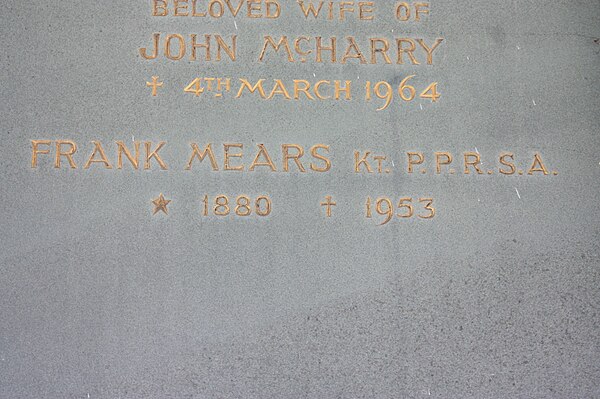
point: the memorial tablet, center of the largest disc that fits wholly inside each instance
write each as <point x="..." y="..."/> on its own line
<point x="300" y="199"/>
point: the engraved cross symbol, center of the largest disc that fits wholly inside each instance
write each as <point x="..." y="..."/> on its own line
<point x="328" y="203"/>
<point x="155" y="84"/>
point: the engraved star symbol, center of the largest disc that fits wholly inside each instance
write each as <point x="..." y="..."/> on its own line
<point x="160" y="204"/>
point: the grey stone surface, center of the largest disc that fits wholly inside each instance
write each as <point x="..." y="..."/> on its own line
<point x="496" y="298"/>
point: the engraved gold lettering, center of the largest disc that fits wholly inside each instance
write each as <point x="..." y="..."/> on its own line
<point x="228" y="156"/>
<point x="243" y="206"/>
<point x="428" y="50"/>
<point x="420" y="158"/>
<point x="321" y="48"/>
<point x="196" y="153"/>
<point x="67" y="154"/>
<point x="154" y="155"/>
<point x="318" y="88"/>
<point x="181" y="8"/>
<point x="195" y="12"/>
<point x="409" y="51"/>
<point x="380" y="159"/>
<point x="35" y="150"/>
<point x="181" y="47"/>
<point x="346" y="89"/>
<point x="537" y="166"/>
<point x="375" y="49"/>
<point x="122" y="149"/>
<point x="365" y="9"/>
<point x="310" y="9"/>
<point x="511" y="165"/>
<point x="403" y="12"/>
<point x="159" y="8"/>
<point x="299" y="50"/>
<point x="269" y="12"/>
<point x="358" y="161"/>
<point x="234" y="11"/>
<point x="283" y="41"/>
<point x="144" y="51"/>
<point x="280" y="89"/>
<point x="267" y="159"/>
<point x="314" y="152"/>
<point x="305" y="89"/>
<point x="175" y="47"/>
<point x="353" y="51"/>
<point x="213" y="5"/>
<point x="421" y="8"/>
<point x="222" y="46"/>
<point x="345" y="7"/>
<point x="295" y="157"/>
<point x="442" y="158"/>
<point x="254" y="5"/>
<point x="195" y="46"/>
<point x="246" y="85"/>
<point x="472" y="159"/>
<point x="92" y="159"/>
<point x="222" y="206"/>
